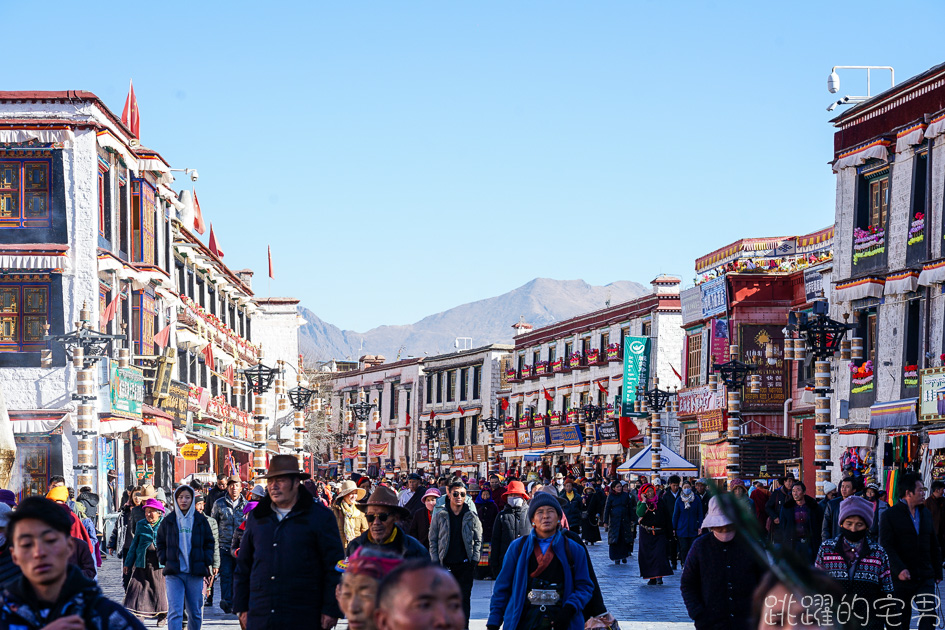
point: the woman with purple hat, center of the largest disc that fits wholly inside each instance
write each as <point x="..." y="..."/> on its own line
<point x="146" y="595"/>
<point x="859" y="565"/>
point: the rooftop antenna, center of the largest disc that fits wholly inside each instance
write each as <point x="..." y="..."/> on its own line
<point x="833" y="84"/>
<point x="607" y="302"/>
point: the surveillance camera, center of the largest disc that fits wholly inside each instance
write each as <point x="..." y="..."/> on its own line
<point x="833" y="83"/>
<point x="194" y="175"/>
<point x="832" y="106"/>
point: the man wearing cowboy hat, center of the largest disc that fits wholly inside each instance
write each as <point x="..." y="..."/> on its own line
<point x="384" y="533"/>
<point x="285" y="573"/>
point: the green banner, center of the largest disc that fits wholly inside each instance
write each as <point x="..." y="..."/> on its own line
<point x="636" y="370"/>
<point x="127" y="391"/>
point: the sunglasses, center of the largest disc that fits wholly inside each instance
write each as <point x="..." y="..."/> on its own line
<point x="459" y="495"/>
<point x="381" y="517"/>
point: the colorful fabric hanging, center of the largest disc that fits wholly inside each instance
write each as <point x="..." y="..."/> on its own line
<point x="892" y="486"/>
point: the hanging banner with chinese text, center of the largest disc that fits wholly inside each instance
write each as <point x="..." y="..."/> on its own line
<point x="378" y="450"/>
<point x="636" y="370"/>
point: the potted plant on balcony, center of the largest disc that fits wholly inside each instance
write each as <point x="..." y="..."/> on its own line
<point x="917" y="229"/>
<point x="574" y="360"/>
<point x="613" y="352"/>
<point x="526" y="371"/>
<point x="861" y="378"/>
<point x="593" y="355"/>
<point x="541" y="368"/>
<point x="557" y="365"/>
<point x="910" y="376"/>
<point x="510" y="374"/>
<point x="868" y="242"/>
<point x="555" y="418"/>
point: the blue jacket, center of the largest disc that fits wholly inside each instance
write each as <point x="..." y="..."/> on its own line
<point x="687" y="522"/>
<point x="510" y="590"/>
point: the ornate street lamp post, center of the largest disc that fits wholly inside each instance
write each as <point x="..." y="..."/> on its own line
<point x="259" y="379"/>
<point x="490" y="424"/>
<point x="654" y="400"/>
<point x="362" y="410"/>
<point x="822" y="337"/>
<point x="592" y="414"/>
<point x="85" y="347"/>
<point x="733" y="374"/>
<point x="299" y="398"/>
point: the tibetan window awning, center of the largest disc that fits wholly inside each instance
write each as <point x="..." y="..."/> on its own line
<point x="903" y="282"/>
<point x="936" y="127"/>
<point x="932" y="273"/>
<point x="856" y="436"/>
<point x="898" y="413"/>
<point x="913" y="134"/>
<point x="876" y="150"/>
<point x="38" y="421"/>
<point x="60" y="137"/>
<point x="858" y="289"/>
<point x="936" y="439"/>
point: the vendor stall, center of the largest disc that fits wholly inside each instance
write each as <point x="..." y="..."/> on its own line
<point x="671" y="463"/>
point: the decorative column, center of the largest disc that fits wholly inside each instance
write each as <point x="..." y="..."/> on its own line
<point x="732" y="374"/>
<point x="85" y="463"/>
<point x="298" y="424"/>
<point x="589" y="447"/>
<point x="822" y="424"/>
<point x="259" y="434"/>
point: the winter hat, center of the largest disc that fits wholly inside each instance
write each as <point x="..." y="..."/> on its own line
<point x="432" y="492"/>
<point x="856" y="506"/>
<point x="249" y="507"/>
<point x="543" y="499"/>
<point x="154" y="503"/>
<point x="258" y="491"/>
<point x="8" y="498"/>
<point x="516" y="488"/>
<point x="829" y="487"/>
<point x="642" y="491"/>
<point x="59" y="493"/>
<point x="715" y="517"/>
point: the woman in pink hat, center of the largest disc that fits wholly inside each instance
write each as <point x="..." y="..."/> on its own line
<point x="419" y="526"/>
<point x="146" y="595"/>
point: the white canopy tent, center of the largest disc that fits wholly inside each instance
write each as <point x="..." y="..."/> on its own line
<point x="671" y="463"/>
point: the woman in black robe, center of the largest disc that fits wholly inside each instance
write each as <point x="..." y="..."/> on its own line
<point x="590" y="516"/>
<point x="618" y="516"/>
<point x="655" y="525"/>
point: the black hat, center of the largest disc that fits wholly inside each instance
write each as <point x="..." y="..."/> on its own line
<point x="414" y="476"/>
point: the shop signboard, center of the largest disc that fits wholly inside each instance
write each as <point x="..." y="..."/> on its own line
<point x="165" y="370"/>
<point x="468" y="453"/>
<point x="607" y="432"/>
<point x="714" y="459"/>
<point x="714" y="297"/>
<point x="711" y="420"/>
<point x="636" y="370"/>
<point x="698" y="400"/>
<point x="126" y="391"/>
<point x="508" y="439"/>
<point x="424" y="452"/>
<point x="567" y="435"/>
<point x="754" y="339"/>
<point x="193" y="450"/>
<point x="719" y="341"/>
<point x="932" y="395"/>
<point x="175" y="402"/>
<point x="479" y="453"/>
<point x="540" y="437"/>
<point x="690" y="300"/>
<point x="813" y="283"/>
<point x="524" y="438"/>
<point x="458" y="454"/>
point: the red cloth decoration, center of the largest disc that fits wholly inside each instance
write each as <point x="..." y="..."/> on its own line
<point x="130" y="117"/>
<point x="628" y="431"/>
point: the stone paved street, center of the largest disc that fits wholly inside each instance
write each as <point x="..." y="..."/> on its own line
<point x="632" y="602"/>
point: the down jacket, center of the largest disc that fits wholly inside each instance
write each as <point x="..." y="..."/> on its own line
<point x="440" y="536"/>
<point x="228" y="514"/>
<point x="285" y="572"/>
<point x="511" y="524"/>
<point x="201" y="546"/>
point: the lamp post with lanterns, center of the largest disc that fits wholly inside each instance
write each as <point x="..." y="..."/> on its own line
<point x="362" y="410"/>
<point x="491" y="424"/>
<point x="821" y="337"/>
<point x="259" y="379"/>
<point x="655" y="401"/>
<point x="299" y="398"/>
<point x="592" y="414"/>
<point x="734" y="374"/>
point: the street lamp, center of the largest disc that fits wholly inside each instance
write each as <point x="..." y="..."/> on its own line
<point x="821" y="337"/>
<point x="259" y="379"/>
<point x="734" y="374"/>
<point x="299" y="397"/>
<point x="655" y="400"/>
<point x="491" y="424"/>
<point x="85" y="347"/>
<point x="362" y="410"/>
<point x="591" y="413"/>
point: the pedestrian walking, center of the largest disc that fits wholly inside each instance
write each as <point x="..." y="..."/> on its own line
<point x="351" y="521"/>
<point x="360" y="577"/>
<point x="544" y="581"/>
<point x="511" y="524"/>
<point x="873" y="494"/>
<point x="146" y="595"/>
<point x="908" y="536"/>
<point x="419" y="527"/>
<point x="618" y="519"/>
<point x="687" y="519"/>
<point x="200" y="503"/>
<point x="776" y="501"/>
<point x="185" y="550"/>
<point x="228" y="513"/>
<point x="411" y="496"/>
<point x="218" y="490"/>
<point x="384" y="532"/>
<point x="654" y="524"/>
<point x="860" y="566"/>
<point x="419" y="594"/>
<point x="571" y="505"/>
<point x="719" y="575"/>
<point x="238" y="534"/>
<point x="935" y="504"/>
<point x="831" y="524"/>
<point x="51" y="593"/>
<point x="668" y="499"/>
<point x="456" y="540"/>
<point x="487" y="511"/>
<point x="800" y="523"/>
<point x="590" y="515"/>
<point x="285" y="573"/>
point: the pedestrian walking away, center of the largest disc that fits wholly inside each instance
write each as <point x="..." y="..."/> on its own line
<point x="285" y="572"/>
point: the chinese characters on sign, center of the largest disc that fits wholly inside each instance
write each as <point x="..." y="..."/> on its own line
<point x="754" y="339"/>
<point x="636" y="370"/>
<point x="932" y="397"/>
<point x="127" y="391"/>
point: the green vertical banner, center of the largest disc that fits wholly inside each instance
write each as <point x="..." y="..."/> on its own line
<point x="636" y="370"/>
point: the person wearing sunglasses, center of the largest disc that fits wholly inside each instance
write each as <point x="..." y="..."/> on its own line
<point x="385" y="532"/>
<point x="456" y="540"/>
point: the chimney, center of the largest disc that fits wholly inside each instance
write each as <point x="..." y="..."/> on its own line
<point x="521" y="326"/>
<point x="246" y="277"/>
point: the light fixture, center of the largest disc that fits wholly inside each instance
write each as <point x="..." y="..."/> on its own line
<point x="833" y="82"/>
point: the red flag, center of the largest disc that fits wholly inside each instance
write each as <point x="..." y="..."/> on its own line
<point x="199" y="226"/>
<point x="377" y="425"/>
<point x="163" y="337"/>
<point x="504" y="404"/>
<point x="432" y="415"/>
<point x="678" y="375"/>
<point x="461" y="411"/>
<point x="129" y="115"/>
<point x="548" y="396"/>
<point x="213" y="245"/>
<point x="408" y="419"/>
<point x="600" y="386"/>
<point x="208" y="355"/>
<point x="228" y="375"/>
<point x="269" y="250"/>
<point x="109" y="313"/>
<point x="627" y="431"/>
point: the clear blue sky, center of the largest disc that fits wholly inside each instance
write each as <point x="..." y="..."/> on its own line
<point x="406" y="157"/>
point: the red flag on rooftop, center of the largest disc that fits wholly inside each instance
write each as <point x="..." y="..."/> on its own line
<point x="109" y="313"/>
<point x="208" y="355"/>
<point x="129" y="115"/>
<point x="199" y="226"/>
<point x="213" y="245"/>
<point x="163" y="337"/>
<point x="269" y="252"/>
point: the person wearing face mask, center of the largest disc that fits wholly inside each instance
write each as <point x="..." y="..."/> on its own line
<point x="687" y="519"/>
<point x="511" y="524"/>
<point x="719" y="575"/>
<point x="859" y="565"/>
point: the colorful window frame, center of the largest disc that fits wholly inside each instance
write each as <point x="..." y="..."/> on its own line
<point x="143" y="314"/>
<point x="102" y="191"/>
<point x="25" y="186"/>
<point x="24" y="312"/>
<point x="144" y="209"/>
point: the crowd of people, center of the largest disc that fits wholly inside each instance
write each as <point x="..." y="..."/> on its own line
<point x="286" y="549"/>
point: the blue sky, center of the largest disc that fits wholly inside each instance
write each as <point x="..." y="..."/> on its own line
<point x="403" y="158"/>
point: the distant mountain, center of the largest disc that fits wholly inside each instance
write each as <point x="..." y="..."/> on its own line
<point x="542" y="301"/>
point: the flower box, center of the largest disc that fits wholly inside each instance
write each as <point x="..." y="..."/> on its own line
<point x="917" y="229"/>
<point x="593" y="356"/>
<point x="574" y="360"/>
<point x="867" y="243"/>
<point x="572" y="416"/>
<point x="555" y="418"/>
<point x="510" y="375"/>
<point x="541" y="368"/>
<point x="861" y="378"/>
<point x="613" y="352"/>
<point x="610" y="410"/>
<point x="557" y="365"/>
<point x="526" y="371"/>
<point x="910" y="376"/>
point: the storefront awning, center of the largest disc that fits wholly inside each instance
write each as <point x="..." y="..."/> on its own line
<point x="898" y="413"/>
<point x="31" y="421"/>
<point x="535" y="456"/>
<point x="113" y="425"/>
<point x="856" y="436"/>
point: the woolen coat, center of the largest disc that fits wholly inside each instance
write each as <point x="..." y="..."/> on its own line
<point x="511" y="524"/>
<point x="717" y="583"/>
<point x="618" y="516"/>
<point x="787" y="523"/>
<point x="285" y="572"/>
<point x="918" y="553"/>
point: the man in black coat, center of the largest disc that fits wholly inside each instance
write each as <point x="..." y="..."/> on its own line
<point x="285" y="573"/>
<point x="831" y="526"/>
<point x="776" y="501"/>
<point x="908" y="536"/>
<point x="511" y="523"/>
<point x="570" y="499"/>
<point x="668" y="499"/>
<point x="217" y="491"/>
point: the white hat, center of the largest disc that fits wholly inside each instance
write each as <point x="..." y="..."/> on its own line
<point x="829" y="487"/>
<point x="714" y="517"/>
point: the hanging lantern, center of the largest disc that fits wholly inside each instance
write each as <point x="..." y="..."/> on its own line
<point x="755" y="384"/>
<point x="856" y="348"/>
<point x="845" y="350"/>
